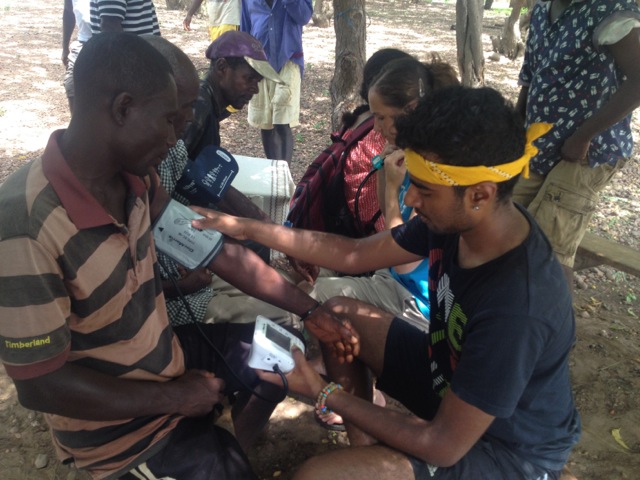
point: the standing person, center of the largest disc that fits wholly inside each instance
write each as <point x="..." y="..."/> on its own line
<point x="489" y="384"/>
<point x="581" y="73"/>
<point x="277" y="24"/>
<point x="84" y="332"/>
<point x="223" y="15"/>
<point x="75" y="14"/>
<point x="132" y="16"/>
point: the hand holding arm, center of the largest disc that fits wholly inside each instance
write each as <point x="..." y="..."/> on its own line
<point x="79" y="392"/>
<point x="337" y="333"/>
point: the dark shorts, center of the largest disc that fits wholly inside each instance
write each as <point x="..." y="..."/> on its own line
<point x="487" y="460"/>
<point x="406" y="376"/>
<point x="197" y="450"/>
<point x="206" y="344"/>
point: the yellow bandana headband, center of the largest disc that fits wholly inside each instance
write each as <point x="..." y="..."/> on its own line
<point x="454" y="175"/>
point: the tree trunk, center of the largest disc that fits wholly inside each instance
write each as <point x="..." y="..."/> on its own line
<point x="511" y="39"/>
<point x="469" y="41"/>
<point x="349" y="23"/>
<point x="177" y="4"/>
<point x="321" y="13"/>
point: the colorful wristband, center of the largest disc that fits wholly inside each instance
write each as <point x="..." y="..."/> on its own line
<point x="321" y="401"/>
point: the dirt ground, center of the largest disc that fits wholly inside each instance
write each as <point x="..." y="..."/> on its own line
<point x="606" y="359"/>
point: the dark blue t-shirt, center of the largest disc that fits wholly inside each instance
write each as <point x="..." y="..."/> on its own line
<point x="500" y="337"/>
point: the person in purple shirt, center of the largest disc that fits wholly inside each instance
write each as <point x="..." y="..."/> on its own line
<point x="276" y="108"/>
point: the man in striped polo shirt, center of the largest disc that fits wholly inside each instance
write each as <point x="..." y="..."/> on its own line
<point x="133" y="16"/>
<point x="84" y="332"/>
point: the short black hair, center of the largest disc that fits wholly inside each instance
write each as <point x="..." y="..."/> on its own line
<point x="114" y="62"/>
<point x="180" y="62"/>
<point x="466" y="127"/>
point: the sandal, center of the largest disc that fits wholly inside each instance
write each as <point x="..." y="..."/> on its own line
<point x="330" y="421"/>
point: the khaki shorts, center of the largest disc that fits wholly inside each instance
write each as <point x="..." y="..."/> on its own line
<point x="381" y="290"/>
<point x="277" y="104"/>
<point x="234" y="306"/>
<point x="563" y="201"/>
<point x="216" y="31"/>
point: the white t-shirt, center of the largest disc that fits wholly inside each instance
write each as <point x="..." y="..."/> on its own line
<point x="224" y="12"/>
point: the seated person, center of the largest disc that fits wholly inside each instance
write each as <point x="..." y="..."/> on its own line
<point x="82" y="314"/>
<point x="403" y="289"/>
<point x="489" y="385"/>
<point x="210" y="298"/>
<point x="358" y="161"/>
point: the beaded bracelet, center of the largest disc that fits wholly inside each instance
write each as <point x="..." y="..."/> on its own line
<point x="306" y="314"/>
<point x="322" y="397"/>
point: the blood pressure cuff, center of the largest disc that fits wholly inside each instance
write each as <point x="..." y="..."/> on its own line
<point x="205" y="180"/>
<point x="175" y="237"/>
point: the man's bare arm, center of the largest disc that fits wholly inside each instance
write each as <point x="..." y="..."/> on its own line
<point x="68" y="25"/>
<point x="626" y="99"/>
<point x="79" y="392"/>
<point x="234" y="202"/>
<point x="340" y="253"/>
<point x="442" y="442"/>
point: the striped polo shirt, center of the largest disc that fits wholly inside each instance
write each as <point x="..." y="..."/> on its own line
<point x="77" y="286"/>
<point x="138" y="16"/>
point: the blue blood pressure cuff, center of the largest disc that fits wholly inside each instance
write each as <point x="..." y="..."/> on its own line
<point x="175" y="237"/>
<point x="205" y="180"/>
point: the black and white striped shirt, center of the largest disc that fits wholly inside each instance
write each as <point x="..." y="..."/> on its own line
<point x="138" y="16"/>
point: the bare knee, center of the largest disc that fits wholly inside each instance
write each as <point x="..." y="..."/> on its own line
<point x="315" y="468"/>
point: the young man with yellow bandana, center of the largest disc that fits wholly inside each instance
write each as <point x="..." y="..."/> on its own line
<point x="489" y="384"/>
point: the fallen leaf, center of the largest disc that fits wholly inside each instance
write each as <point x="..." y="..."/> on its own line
<point x="615" y="433"/>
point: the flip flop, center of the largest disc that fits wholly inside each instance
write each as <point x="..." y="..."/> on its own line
<point x="333" y="427"/>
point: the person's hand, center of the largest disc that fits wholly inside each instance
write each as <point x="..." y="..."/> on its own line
<point x="186" y="23"/>
<point x="388" y="149"/>
<point x="65" y="57"/>
<point x="192" y="281"/>
<point x="395" y="170"/>
<point x="335" y="332"/>
<point x="576" y="149"/>
<point x="307" y="271"/>
<point x="302" y="380"/>
<point x="197" y="391"/>
<point x="223" y="223"/>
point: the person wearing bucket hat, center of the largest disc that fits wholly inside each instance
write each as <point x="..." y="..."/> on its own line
<point x="238" y="63"/>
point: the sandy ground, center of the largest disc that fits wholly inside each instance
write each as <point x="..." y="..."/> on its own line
<point x="605" y="362"/>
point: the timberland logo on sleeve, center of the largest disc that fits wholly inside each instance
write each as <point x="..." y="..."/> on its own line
<point x="33" y="343"/>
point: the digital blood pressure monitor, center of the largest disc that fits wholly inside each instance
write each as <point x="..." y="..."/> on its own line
<point x="272" y="345"/>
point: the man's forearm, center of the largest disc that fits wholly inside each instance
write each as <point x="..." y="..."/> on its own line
<point x="236" y="203"/>
<point x="68" y="24"/>
<point x="78" y="392"/>
<point x="245" y="270"/>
